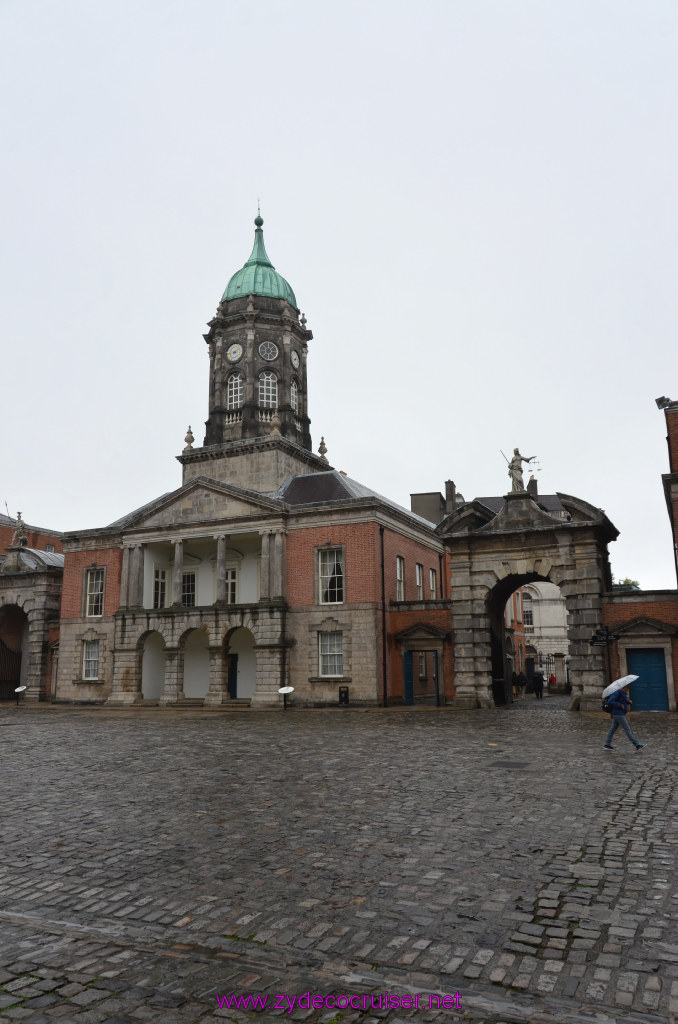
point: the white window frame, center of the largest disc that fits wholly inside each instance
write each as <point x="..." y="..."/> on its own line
<point x="184" y="589"/>
<point x="49" y="547"/>
<point x="235" y="391"/>
<point x="294" y="396"/>
<point x="419" y="577"/>
<point x="232" y="583"/>
<point x="422" y="665"/>
<point x="160" y="574"/>
<point x="331" y="655"/>
<point x="268" y="390"/>
<point x="95" y="581"/>
<point x="400" y="578"/>
<point x="90" y="660"/>
<point x="328" y="559"/>
<point x="433" y="584"/>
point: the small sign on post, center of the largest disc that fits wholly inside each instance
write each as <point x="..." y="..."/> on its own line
<point x="285" y="690"/>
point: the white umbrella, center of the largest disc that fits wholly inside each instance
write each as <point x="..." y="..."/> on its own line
<point x="618" y="684"/>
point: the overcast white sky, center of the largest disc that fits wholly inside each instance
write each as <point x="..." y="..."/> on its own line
<point x="474" y="201"/>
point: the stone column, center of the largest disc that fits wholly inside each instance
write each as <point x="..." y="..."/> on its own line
<point x="217" y="693"/>
<point x="124" y="577"/>
<point x="221" y="568"/>
<point x="174" y="688"/>
<point x="177" y="577"/>
<point x="136" y="577"/>
<point x="472" y="652"/>
<point x="126" y="687"/>
<point x="587" y="664"/>
<point x="269" y="675"/>
<point x="278" y="565"/>
<point x="265" y="567"/>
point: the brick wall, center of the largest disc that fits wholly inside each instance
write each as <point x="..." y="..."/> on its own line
<point x="395" y="545"/>
<point x="672" y="438"/>
<point x="362" y="572"/>
<point x="399" y="619"/>
<point x="36" y="537"/>
<point x="75" y="564"/>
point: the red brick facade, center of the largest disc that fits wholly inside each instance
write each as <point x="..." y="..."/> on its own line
<point x="36" y="537"/>
<point x="75" y="572"/>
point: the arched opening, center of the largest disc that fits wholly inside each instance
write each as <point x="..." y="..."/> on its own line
<point x="153" y="667"/>
<point x="13" y="645"/>
<point x="528" y="631"/>
<point x="241" y="666"/>
<point x="196" y="665"/>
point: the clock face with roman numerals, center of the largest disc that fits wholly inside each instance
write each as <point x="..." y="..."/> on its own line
<point x="234" y="352"/>
<point x="295" y="359"/>
<point x="267" y="350"/>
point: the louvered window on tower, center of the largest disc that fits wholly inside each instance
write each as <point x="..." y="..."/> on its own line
<point x="331" y="576"/>
<point x="294" y="396"/>
<point x="268" y="390"/>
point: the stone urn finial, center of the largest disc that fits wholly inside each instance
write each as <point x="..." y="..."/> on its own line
<point x="303" y="320"/>
<point x="189" y="439"/>
<point x="322" y="449"/>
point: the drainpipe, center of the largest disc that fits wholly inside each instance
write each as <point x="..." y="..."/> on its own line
<point x="383" y="618"/>
<point x="442" y="577"/>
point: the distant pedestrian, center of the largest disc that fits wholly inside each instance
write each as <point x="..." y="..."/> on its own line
<point x="522" y="683"/>
<point x="538" y="683"/>
<point x="514" y="684"/>
<point x="552" y="680"/>
<point x="619" y="704"/>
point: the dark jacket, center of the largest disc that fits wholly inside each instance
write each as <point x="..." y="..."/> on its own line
<point x="618" y="702"/>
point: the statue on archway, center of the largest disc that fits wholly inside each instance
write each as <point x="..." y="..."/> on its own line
<point x="19" y="538"/>
<point x="515" y="470"/>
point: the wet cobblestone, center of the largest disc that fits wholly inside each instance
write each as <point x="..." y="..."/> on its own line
<point x="155" y="859"/>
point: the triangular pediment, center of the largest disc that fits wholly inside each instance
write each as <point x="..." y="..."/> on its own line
<point x="644" y="627"/>
<point x="422" y="631"/>
<point x="202" y="500"/>
<point x="465" y="519"/>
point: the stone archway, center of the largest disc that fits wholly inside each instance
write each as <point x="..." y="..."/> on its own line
<point x="14" y="627"/>
<point x="490" y="554"/>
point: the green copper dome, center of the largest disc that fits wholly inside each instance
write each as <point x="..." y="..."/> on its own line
<point x="259" y="276"/>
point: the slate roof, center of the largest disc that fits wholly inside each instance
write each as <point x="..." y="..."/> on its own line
<point x="31" y="558"/>
<point x="331" y="487"/>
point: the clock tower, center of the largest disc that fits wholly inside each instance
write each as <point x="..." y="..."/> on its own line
<point x="258" y="346"/>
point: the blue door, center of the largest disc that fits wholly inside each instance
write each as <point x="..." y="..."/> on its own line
<point x="649" y="692"/>
<point x="408" y="678"/>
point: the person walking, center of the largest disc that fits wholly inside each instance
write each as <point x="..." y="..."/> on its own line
<point x="538" y="683"/>
<point x="619" y="704"/>
<point x="522" y="683"/>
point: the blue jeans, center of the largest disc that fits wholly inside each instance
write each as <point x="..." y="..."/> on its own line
<point x="618" y="720"/>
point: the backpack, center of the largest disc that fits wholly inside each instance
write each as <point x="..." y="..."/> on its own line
<point x="606" y="706"/>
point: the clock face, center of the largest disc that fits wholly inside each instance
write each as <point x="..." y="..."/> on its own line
<point x="267" y="350"/>
<point x="295" y="359"/>
<point x="234" y="352"/>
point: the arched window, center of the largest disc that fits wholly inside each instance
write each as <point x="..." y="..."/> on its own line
<point x="268" y="390"/>
<point x="234" y="391"/>
<point x="294" y="396"/>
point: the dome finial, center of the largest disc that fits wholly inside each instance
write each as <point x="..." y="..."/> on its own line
<point x="258" y="220"/>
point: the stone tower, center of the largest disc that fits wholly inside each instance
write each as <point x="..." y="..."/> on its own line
<point x="258" y="346"/>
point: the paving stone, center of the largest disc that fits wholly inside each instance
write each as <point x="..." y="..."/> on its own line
<point x="228" y="853"/>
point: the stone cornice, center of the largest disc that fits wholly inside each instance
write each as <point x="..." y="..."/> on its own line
<point x="249" y="446"/>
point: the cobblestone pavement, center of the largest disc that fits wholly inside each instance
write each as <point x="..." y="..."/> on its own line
<point x="156" y="859"/>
